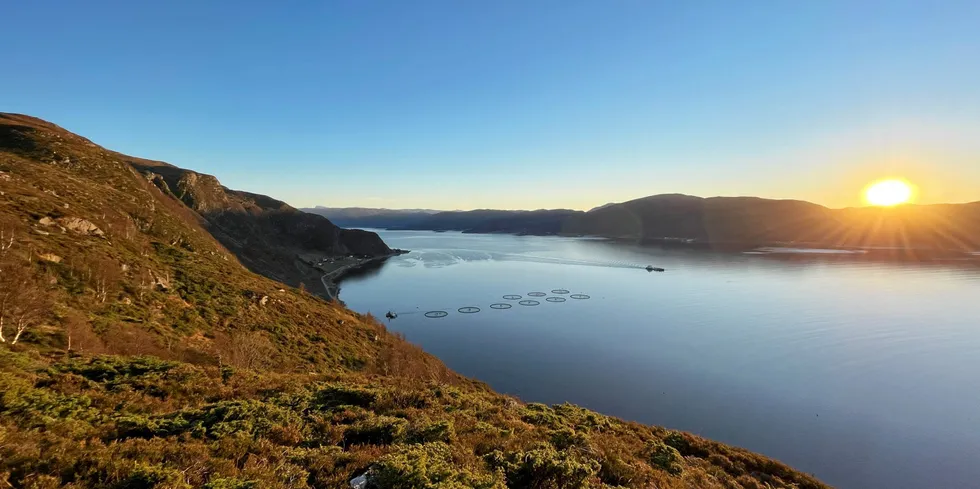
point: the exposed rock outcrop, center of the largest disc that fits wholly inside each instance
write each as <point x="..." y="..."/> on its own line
<point x="80" y="226"/>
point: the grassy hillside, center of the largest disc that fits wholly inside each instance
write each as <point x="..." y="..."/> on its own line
<point x="121" y="266"/>
<point x="144" y="422"/>
<point x="138" y="352"/>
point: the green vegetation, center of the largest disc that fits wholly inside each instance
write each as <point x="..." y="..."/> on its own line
<point x="137" y="352"/>
<point x="116" y="421"/>
<point x="665" y="457"/>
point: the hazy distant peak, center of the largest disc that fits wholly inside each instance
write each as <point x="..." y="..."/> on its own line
<point x="370" y="210"/>
<point x="603" y="206"/>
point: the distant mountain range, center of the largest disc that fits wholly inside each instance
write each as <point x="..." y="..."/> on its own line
<point x="737" y="222"/>
<point x="539" y="222"/>
<point x="364" y="217"/>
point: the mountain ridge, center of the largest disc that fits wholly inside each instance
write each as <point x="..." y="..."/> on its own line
<point x="265" y="234"/>
<point x="736" y="222"/>
<point x="369" y="217"/>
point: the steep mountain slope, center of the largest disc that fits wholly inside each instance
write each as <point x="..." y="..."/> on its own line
<point x="267" y="235"/>
<point x="135" y="270"/>
<point x="242" y="382"/>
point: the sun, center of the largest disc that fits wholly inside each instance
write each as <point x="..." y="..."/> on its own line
<point x="887" y="193"/>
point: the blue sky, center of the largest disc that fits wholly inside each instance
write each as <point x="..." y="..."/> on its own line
<point x="514" y="104"/>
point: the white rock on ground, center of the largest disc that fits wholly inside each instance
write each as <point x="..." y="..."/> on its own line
<point x="359" y="482"/>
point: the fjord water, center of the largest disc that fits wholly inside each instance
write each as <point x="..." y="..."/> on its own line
<point x="866" y="374"/>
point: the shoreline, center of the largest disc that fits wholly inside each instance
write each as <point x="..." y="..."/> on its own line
<point x="883" y="253"/>
<point x="331" y="279"/>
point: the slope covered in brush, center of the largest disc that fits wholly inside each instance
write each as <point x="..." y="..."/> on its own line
<point x="267" y="235"/>
<point x="138" y="352"/>
<point x="142" y="422"/>
<point x="128" y="267"/>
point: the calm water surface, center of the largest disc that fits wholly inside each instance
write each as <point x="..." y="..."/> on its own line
<point x="865" y="374"/>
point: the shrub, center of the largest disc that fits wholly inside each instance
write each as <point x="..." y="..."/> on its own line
<point x="226" y="483"/>
<point x="149" y="375"/>
<point x="748" y="482"/>
<point x="566" y="438"/>
<point x="226" y="373"/>
<point x="543" y="468"/>
<point x="725" y="464"/>
<point x="107" y="369"/>
<point x="539" y="414"/>
<point x="252" y="418"/>
<point x="410" y="399"/>
<point x="686" y="444"/>
<point x="665" y="457"/>
<point x="42" y="482"/>
<point x="375" y="430"/>
<point x="229" y="417"/>
<point x="138" y="426"/>
<point x="344" y="395"/>
<point x="581" y="418"/>
<point x="439" y="431"/>
<point x="616" y="472"/>
<point x="428" y="466"/>
<point x="152" y="476"/>
<point x="41" y="406"/>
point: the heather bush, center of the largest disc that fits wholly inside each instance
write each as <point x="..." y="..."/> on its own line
<point x="376" y="430"/>
<point x="665" y="457"/>
<point x="428" y="466"/>
<point x="543" y="468"/>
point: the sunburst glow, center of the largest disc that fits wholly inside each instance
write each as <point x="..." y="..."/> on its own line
<point x="887" y="193"/>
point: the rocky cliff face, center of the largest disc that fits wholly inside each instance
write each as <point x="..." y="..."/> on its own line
<point x="266" y="234"/>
